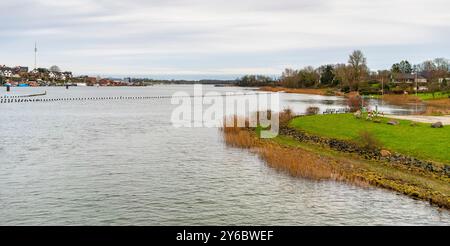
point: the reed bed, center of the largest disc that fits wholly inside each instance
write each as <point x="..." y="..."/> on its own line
<point x="296" y="162"/>
<point x="438" y="107"/>
<point x="401" y="99"/>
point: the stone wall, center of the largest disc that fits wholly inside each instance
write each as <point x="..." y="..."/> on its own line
<point x="370" y="154"/>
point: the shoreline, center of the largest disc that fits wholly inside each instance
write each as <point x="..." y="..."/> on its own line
<point x="309" y="91"/>
<point x="316" y="161"/>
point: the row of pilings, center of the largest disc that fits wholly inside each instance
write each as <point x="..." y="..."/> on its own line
<point x="17" y="99"/>
<point x="28" y="99"/>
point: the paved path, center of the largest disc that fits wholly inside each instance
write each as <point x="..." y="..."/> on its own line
<point x="422" y="118"/>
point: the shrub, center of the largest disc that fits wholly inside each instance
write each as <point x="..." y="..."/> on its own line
<point x="368" y="140"/>
<point x="312" y="110"/>
<point x="286" y="115"/>
<point x="354" y="102"/>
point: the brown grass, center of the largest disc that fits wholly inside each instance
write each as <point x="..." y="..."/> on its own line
<point x="323" y="92"/>
<point x="240" y="138"/>
<point x="400" y="99"/>
<point x="296" y="162"/>
<point x="438" y="107"/>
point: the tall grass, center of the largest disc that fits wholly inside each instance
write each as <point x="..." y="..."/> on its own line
<point x="296" y="162"/>
<point x="438" y="107"/>
<point x="400" y="99"/>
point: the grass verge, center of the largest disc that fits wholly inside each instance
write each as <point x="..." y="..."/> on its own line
<point x="417" y="140"/>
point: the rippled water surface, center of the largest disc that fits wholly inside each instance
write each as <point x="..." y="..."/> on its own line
<point x="120" y="162"/>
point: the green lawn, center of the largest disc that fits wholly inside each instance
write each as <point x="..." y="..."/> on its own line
<point x="420" y="141"/>
<point x="422" y="96"/>
<point x="429" y="96"/>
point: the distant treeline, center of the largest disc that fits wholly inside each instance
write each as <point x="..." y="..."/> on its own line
<point x="203" y="81"/>
<point x="355" y="75"/>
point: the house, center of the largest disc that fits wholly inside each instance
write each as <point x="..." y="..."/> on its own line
<point x="442" y="80"/>
<point x="67" y="74"/>
<point x="52" y="75"/>
<point x="57" y="76"/>
<point x="90" y="81"/>
<point x="6" y="71"/>
<point x="20" y="70"/>
<point x="408" y="78"/>
<point x="104" y="82"/>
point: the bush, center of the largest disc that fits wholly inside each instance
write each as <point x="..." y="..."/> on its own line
<point x="312" y="110"/>
<point x="286" y="115"/>
<point x="368" y="140"/>
<point x="355" y="102"/>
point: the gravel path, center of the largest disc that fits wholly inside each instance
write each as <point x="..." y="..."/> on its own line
<point x="422" y="118"/>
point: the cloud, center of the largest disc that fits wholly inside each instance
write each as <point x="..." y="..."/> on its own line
<point x="93" y="36"/>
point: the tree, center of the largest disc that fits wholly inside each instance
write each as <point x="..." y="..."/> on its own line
<point x="289" y="78"/>
<point x="326" y="75"/>
<point x="442" y="64"/>
<point x="402" y="67"/>
<point x="342" y="76"/>
<point x="308" y="77"/>
<point x="358" y="64"/>
<point x="433" y="88"/>
<point x="54" y="69"/>
<point x="432" y="70"/>
<point x="395" y="68"/>
<point x="254" y="80"/>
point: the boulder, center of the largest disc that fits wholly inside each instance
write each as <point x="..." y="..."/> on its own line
<point x="385" y="153"/>
<point x="392" y="122"/>
<point x="437" y="125"/>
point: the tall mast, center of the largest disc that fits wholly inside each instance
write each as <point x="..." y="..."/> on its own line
<point x="35" y="55"/>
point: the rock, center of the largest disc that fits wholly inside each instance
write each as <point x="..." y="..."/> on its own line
<point x="437" y="125"/>
<point x="392" y="122"/>
<point x="385" y="153"/>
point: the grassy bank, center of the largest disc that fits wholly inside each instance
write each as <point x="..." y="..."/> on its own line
<point x="320" y="163"/>
<point x="429" y="96"/>
<point x="420" y="140"/>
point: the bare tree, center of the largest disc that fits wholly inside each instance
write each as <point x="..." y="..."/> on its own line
<point x="358" y="64"/>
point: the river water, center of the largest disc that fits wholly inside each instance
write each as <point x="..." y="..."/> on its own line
<point x="121" y="162"/>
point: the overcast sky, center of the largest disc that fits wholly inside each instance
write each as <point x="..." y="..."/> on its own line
<point x="218" y="38"/>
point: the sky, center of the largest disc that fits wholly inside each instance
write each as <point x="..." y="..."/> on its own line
<point x="218" y="38"/>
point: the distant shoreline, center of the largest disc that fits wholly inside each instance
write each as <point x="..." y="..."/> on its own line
<point x="310" y="91"/>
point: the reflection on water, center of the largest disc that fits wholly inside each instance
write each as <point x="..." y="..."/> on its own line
<point x="122" y="163"/>
<point x="317" y="101"/>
